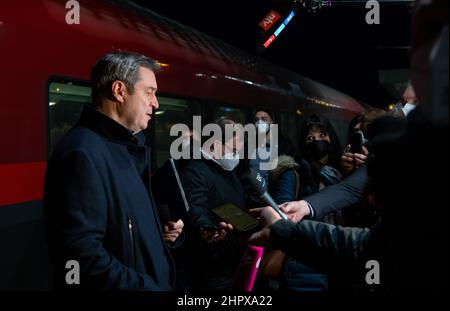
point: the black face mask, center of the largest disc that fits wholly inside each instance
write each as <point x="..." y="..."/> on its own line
<point x="318" y="149"/>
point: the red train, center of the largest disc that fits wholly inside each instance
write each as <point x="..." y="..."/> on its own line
<point x="45" y="66"/>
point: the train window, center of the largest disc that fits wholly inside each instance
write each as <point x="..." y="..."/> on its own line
<point x="171" y="111"/>
<point x="287" y="127"/>
<point x="65" y="102"/>
<point x="235" y="114"/>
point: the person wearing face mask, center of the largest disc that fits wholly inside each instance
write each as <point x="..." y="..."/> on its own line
<point x="364" y="212"/>
<point x="410" y="242"/>
<point x="263" y="120"/>
<point x="319" y="155"/>
<point x="316" y="164"/>
<point x="409" y="100"/>
<point x="215" y="248"/>
<point x="314" y="169"/>
<point x="355" y="156"/>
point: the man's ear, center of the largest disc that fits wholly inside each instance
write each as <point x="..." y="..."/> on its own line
<point x="119" y="91"/>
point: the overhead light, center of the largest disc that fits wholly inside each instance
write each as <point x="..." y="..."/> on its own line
<point x="163" y="65"/>
<point x="159" y="112"/>
<point x="51" y="103"/>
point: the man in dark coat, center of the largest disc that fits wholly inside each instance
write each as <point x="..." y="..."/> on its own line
<point x="216" y="248"/>
<point x="99" y="209"/>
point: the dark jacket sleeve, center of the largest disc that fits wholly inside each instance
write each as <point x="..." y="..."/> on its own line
<point x="77" y="210"/>
<point x="333" y="198"/>
<point x="284" y="190"/>
<point x="197" y="194"/>
<point x="321" y="245"/>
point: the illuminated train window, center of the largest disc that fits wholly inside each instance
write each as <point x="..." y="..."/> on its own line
<point x="235" y="114"/>
<point x="171" y="111"/>
<point x="65" y="102"/>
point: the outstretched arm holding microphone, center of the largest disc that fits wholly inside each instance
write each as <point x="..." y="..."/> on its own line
<point x="317" y="244"/>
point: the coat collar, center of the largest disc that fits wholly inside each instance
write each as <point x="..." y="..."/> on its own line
<point x="105" y="126"/>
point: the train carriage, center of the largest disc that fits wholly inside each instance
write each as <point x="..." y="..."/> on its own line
<point x="45" y="64"/>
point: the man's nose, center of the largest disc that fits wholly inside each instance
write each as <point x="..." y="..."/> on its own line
<point x="154" y="103"/>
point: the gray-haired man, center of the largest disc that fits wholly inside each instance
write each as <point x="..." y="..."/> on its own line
<point x="98" y="204"/>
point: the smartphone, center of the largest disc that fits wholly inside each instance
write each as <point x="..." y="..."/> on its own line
<point x="210" y="228"/>
<point x="239" y="219"/>
<point x="356" y="142"/>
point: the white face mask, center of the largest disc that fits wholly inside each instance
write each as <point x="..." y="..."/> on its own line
<point x="229" y="161"/>
<point x="262" y="126"/>
<point x="408" y="108"/>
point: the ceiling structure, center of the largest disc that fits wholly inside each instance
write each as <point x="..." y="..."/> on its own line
<point x="333" y="45"/>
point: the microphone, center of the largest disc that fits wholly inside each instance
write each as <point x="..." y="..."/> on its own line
<point x="245" y="276"/>
<point x="258" y="184"/>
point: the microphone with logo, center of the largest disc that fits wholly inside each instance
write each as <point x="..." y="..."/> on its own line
<point x="246" y="275"/>
<point x="258" y="184"/>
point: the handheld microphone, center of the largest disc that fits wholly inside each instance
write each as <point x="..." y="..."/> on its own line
<point x="258" y="184"/>
<point x="248" y="269"/>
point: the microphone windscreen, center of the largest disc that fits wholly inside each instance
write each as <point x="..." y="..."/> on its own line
<point x="256" y="181"/>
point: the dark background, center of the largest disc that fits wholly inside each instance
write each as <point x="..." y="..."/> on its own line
<point x="334" y="45"/>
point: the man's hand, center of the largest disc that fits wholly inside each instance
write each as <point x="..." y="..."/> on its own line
<point x="213" y="236"/>
<point x="267" y="217"/>
<point x="172" y="230"/>
<point x="296" y="210"/>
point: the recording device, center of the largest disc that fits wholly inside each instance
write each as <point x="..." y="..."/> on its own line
<point x="239" y="219"/>
<point x="245" y="276"/>
<point x="210" y="228"/>
<point x="169" y="193"/>
<point x="356" y="141"/>
<point x="258" y="184"/>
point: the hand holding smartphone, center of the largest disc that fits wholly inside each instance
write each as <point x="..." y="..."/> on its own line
<point x="238" y="218"/>
<point x="356" y="141"/>
<point x="213" y="233"/>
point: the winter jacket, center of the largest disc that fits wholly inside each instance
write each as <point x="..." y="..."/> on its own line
<point x="100" y="212"/>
